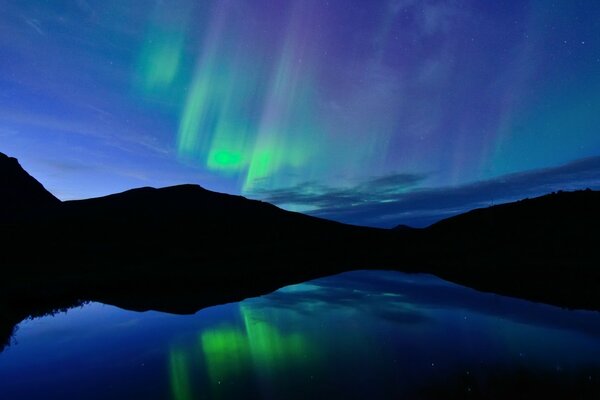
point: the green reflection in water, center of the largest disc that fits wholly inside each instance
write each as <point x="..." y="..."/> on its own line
<point x="226" y="352"/>
<point x="240" y="355"/>
<point x="269" y="348"/>
<point x="258" y="345"/>
<point x="180" y="376"/>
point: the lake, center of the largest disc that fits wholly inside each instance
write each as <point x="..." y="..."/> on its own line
<point x="357" y="335"/>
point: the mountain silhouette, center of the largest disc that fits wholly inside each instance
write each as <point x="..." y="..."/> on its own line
<point x="543" y="248"/>
<point x="403" y="227"/>
<point x="182" y="238"/>
<point x="184" y="247"/>
<point x="19" y="191"/>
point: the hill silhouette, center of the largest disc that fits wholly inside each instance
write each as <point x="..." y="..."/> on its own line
<point x="145" y="247"/>
<point x="184" y="247"/>
<point x="543" y="248"/>
<point x="19" y="190"/>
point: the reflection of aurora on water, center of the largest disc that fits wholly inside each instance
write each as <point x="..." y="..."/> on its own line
<point x="381" y="334"/>
<point x="357" y="335"/>
<point x="264" y="349"/>
<point x="229" y="352"/>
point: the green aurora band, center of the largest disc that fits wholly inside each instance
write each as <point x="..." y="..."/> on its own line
<point x="258" y="106"/>
<point x="303" y="103"/>
<point x="249" y="106"/>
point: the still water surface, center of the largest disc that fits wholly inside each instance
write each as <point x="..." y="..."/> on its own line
<point x="362" y="334"/>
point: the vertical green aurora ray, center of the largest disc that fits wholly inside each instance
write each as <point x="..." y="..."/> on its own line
<point x="232" y="135"/>
<point x="236" y="119"/>
<point x="287" y="127"/>
<point x="160" y="59"/>
<point x="217" y="124"/>
<point x="202" y="106"/>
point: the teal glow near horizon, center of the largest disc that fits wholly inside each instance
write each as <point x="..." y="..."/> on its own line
<point x="306" y="104"/>
<point x="355" y="335"/>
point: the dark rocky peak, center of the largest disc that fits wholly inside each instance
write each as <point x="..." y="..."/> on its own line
<point x="19" y="191"/>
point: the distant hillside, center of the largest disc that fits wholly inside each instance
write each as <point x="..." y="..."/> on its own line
<point x="545" y="248"/>
<point x="557" y="228"/>
<point x="575" y="209"/>
<point x="403" y="227"/>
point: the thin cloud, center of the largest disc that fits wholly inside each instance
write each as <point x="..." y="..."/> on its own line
<point x="35" y="25"/>
<point x="393" y="200"/>
<point x="314" y="195"/>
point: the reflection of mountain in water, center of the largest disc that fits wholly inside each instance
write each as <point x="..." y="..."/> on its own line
<point x="151" y="248"/>
<point x="363" y="333"/>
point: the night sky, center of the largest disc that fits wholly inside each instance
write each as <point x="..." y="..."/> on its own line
<point x="368" y="112"/>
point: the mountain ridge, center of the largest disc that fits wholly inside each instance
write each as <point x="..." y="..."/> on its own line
<point x="151" y="247"/>
<point x="19" y="190"/>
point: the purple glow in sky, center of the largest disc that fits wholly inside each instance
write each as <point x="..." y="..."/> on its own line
<point x="373" y="112"/>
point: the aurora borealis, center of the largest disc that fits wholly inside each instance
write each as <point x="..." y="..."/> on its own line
<point x="377" y="113"/>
